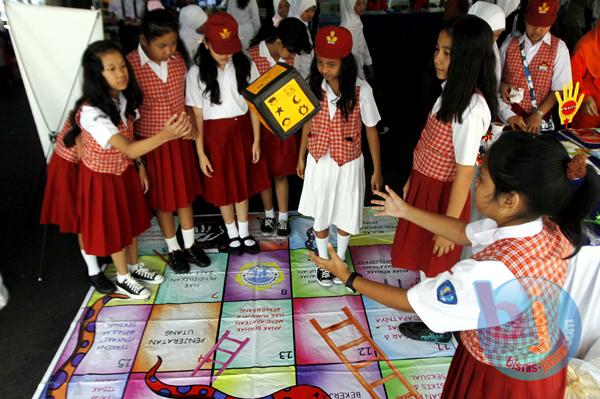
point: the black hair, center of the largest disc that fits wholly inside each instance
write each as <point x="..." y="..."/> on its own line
<point x="208" y="72"/>
<point x="157" y="23"/>
<point x="536" y="167"/>
<point x="471" y="70"/>
<point x="242" y="4"/>
<point x="292" y="33"/>
<point x="96" y="91"/>
<point x="347" y="79"/>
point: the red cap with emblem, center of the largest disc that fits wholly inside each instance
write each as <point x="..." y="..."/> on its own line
<point x="541" y="12"/>
<point x="333" y="42"/>
<point x="221" y="31"/>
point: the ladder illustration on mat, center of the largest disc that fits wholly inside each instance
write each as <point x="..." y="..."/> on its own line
<point x="356" y="367"/>
<point x="210" y="357"/>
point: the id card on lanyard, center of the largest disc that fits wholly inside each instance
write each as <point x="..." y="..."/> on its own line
<point x="545" y="125"/>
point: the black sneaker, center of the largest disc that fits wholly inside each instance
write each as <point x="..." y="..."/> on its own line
<point x="283" y="228"/>
<point x="132" y="288"/>
<point x="147" y="276"/>
<point x="324" y="278"/>
<point x="178" y="262"/>
<point x="235" y="251"/>
<point x="102" y="284"/>
<point x="419" y="331"/>
<point x="267" y="225"/>
<point x="197" y="256"/>
<point x="251" y="249"/>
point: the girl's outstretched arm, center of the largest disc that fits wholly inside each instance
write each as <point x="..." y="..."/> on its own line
<point x="392" y="297"/>
<point x="392" y="204"/>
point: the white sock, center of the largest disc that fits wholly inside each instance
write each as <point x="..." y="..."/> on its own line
<point x="92" y="263"/>
<point x="342" y="245"/>
<point x="322" y="247"/>
<point x="270" y="213"/>
<point x="232" y="232"/>
<point x="283" y="216"/>
<point x="172" y="244"/>
<point x="245" y="232"/>
<point x="188" y="237"/>
<point x="131" y="268"/>
<point x="122" y="277"/>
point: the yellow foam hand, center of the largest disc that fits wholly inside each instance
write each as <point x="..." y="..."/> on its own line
<point x="569" y="104"/>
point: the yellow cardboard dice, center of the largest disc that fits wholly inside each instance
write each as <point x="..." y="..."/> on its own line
<point x="282" y="100"/>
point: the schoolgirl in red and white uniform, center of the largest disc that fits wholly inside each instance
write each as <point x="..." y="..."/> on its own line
<point x="534" y="199"/>
<point x="160" y="71"/>
<point x="548" y="65"/>
<point x="110" y="199"/>
<point x="446" y="153"/>
<point x="288" y="39"/>
<point x="334" y="177"/>
<point x="60" y="202"/>
<point x="304" y="10"/>
<point x="228" y="143"/>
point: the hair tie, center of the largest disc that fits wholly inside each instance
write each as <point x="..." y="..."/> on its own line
<point x="576" y="168"/>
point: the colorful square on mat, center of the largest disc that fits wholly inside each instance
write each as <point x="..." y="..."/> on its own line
<point x="201" y="284"/>
<point x="137" y="388"/>
<point x="375" y="229"/>
<point x="311" y="347"/>
<point x="427" y="376"/>
<point x="265" y="275"/>
<point x="267" y="325"/>
<point x="97" y="386"/>
<point x="339" y="382"/>
<point x="179" y="334"/>
<point x="255" y="382"/>
<point x="375" y="263"/>
<point x="304" y="278"/>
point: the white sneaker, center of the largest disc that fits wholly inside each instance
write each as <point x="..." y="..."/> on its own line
<point x="147" y="276"/>
<point x="132" y="288"/>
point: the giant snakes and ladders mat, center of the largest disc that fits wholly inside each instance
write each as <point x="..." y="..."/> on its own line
<point x="251" y="326"/>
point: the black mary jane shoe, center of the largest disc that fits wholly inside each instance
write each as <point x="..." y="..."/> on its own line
<point x="251" y="249"/>
<point x="236" y="251"/>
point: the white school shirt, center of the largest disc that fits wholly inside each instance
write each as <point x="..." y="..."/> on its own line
<point x="161" y="70"/>
<point x="115" y="7"/>
<point x="263" y="51"/>
<point x="99" y="125"/>
<point x="441" y="316"/>
<point x="247" y="16"/>
<point x="369" y="113"/>
<point x="561" y="72"/>
<point x="232" y="102"/>
<point x="466" y="136"/>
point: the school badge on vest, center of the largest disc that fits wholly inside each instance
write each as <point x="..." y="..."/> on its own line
<point x="282" y="100"/>
<point x="446" y="293"/>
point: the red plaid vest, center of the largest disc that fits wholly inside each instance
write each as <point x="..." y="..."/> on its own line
<point x="262" y="63"/>
<point x="102" y="160"/>
<point x="342" y="138"/>
<point x="513" y="74"/>
<point x="434" y="154"/>
<point x="68" y="154"/>
<point x="540" y="256"/>
<point x="161" y="100"/>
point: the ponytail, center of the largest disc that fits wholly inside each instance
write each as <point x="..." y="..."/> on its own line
<point x="71" y="135"/>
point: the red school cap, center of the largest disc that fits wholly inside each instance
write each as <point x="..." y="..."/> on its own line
<point x="333" y="42"/>
<point x="221" y="30"/>
<point x="541" y="12"/>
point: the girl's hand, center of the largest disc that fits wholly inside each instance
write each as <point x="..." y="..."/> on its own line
<point x="376" y="181"/>
<point x="300" y="168"/>
<point x="205" y="165"/>
<point x="517" y="123"/>
<point x="390" y="205"/>
<point x="255" y="152"/>
<point x="505" y="92"/>
<point x="192" y="135"/>
<point x="589" y="106"/>
<point x="442" y="246"/>
<point x="533" y="122"/>
<point x="405" y="189"/>
<point x="144" y="179"/>
<point x="334" y="264"/>
<point x="177" y="126"/>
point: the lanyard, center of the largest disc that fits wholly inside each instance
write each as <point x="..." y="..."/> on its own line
<point x="528" y="77"/>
